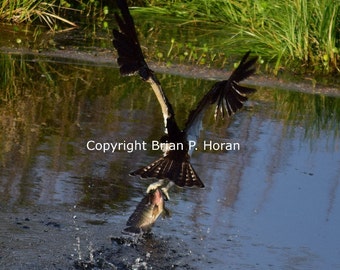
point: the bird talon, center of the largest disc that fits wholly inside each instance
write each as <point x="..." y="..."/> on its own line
<point x="154" y="186"/>
<point x="165" y="193"/>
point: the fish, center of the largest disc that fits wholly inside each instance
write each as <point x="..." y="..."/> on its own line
<point x="146" y="213"/>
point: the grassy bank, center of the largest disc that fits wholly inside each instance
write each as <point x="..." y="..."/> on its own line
<point x="299" y="34"/>
<point x="24" y="11"/>
<point x="56" y="14"/>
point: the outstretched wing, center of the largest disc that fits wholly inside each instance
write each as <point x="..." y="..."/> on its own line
<point x="228" y="96"/>
<point x="130" y="56"/>
<point x="131" y="59"/>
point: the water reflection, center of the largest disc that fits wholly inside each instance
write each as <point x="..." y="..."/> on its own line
<point x="278" y="196"/>
<point x="49" y="111"/>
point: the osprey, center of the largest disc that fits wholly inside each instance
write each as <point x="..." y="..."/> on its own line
<point x="227" y="95"/>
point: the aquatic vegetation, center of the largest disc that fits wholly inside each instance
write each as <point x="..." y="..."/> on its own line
<point x="96" y="13"/>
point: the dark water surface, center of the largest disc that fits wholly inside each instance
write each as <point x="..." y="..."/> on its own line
<point x="273" y="204"/>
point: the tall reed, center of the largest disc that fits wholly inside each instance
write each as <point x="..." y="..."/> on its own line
<point x="20" y="11"/>
<point x="290" y="33"/>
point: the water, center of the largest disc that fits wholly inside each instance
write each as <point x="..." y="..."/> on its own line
<point x="273" y="204"/>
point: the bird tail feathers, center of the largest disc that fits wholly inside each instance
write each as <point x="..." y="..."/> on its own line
<point x="180" y="172"/>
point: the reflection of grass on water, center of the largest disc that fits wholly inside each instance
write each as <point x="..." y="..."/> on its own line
<point x="54" y="107"/>
<point x="46" y="95"/>
<point x="44" y="103"/>
<point x="39" y="98"/>
<point x="315" y="113"/>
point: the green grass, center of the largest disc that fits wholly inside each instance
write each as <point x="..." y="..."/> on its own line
<point x="297" y="34"/>
<point x="58" y="15"/>
<point x="20" y="11"/>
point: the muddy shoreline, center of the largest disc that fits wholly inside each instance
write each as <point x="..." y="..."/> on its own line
<point x="106" y="57"/>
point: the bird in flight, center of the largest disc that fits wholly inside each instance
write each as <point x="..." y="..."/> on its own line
<point x="228" y="97"/>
